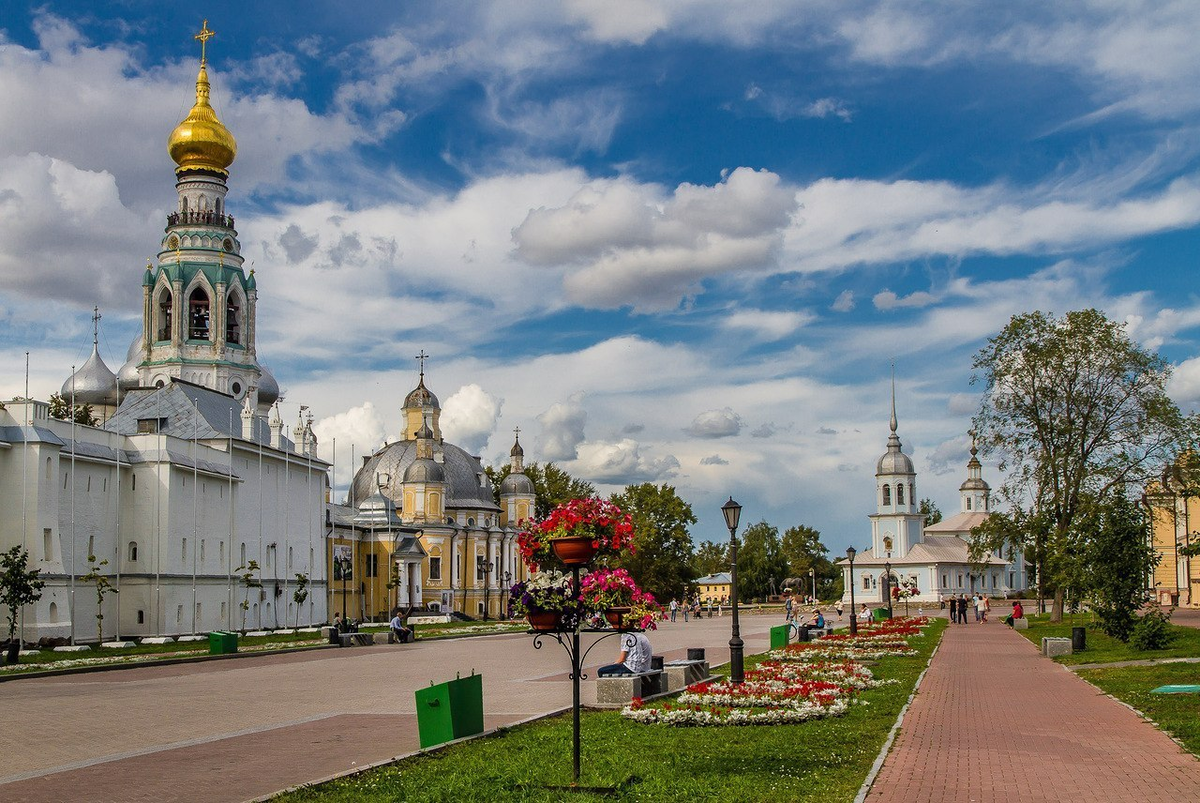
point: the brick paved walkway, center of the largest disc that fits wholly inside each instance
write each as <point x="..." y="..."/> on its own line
<point x="994" y="721"/>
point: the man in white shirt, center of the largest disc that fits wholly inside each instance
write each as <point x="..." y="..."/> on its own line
<point x="634" y="658"/>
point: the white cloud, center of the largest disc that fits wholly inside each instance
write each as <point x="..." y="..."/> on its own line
<point x="716" y="424"/>
<point x="962" y="404"/>
<point x="469" y="417"/>
<point x="1184" y="387"/>
<point x="949" y="455"/>
<point x="887" y="300"/>
<point x="637" y="246"/>
<point x="767" y="324"/>
<point x="844" y="302"/>
<point x="713" y="460"/>
<point x="360" y="429"/>
<point x="620" y="463"/>
<point x="632" y="21"/>
<point x="562" y="429"/>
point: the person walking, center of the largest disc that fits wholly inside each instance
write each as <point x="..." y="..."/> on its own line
<point x="977" y="604"/>
<point x="674" y="608"/>
<point x="685" y="609"/>
<point x="838" y="607"/>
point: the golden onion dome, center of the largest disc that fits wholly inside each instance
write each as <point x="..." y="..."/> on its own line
<point x="201" y="141"/>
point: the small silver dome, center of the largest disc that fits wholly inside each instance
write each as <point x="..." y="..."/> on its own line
<point x="894" y="461"/>
<point x="421" y="396"/>
<point x="268" y="388"/>
<point x="91" y="384"/>
<point x="424" y="470"/>
<point x="516" y="484"/>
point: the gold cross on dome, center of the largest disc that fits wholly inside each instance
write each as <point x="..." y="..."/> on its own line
<point x="204" y="35"/>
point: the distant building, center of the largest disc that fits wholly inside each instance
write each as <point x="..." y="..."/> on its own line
<point x="1174" y="521"/>
<point x="935" y="559"/>
<point x="714" y="586"/>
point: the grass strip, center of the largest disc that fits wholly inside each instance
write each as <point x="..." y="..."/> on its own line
<point x="1106" y="649"/>
<point x="1177" y="714"/>
<point x="819" y="760"/>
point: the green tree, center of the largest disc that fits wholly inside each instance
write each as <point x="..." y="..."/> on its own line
<point x="710" y="557"/>
<point x="552" y="484"/>
<point x="760" y="560"/>
<point x="802" y="547"/>
<point x="247" y="575"/>
<point x="1118" y="558"/>
<point x="19" y="586"/>
<point x="662" y="560"/>
<point x="300" y="594"/>
<point x="1077" y="410"/>
<point x="61" y="409"/>
<point x="103" y="588"/>
<point x="929" y="509"/>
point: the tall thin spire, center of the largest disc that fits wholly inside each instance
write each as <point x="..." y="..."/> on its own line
<point x="95" y="328"/>
<point x="893" y="422"/>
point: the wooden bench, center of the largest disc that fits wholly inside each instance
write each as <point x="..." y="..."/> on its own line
<point x="351" y="639"/>
<point x="620" y="689"/>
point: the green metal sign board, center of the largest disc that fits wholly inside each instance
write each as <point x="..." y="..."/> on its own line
<point x="779" y="637"/>
<point x="451" y="710"/>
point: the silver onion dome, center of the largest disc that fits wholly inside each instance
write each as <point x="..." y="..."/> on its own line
<point x="92" y="384"/>
<point x="129" y="377"/>
<point x="516" y="484"/>
<point x="424" y="469"/>
<point x="268" y="388"/>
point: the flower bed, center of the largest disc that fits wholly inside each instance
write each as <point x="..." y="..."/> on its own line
<point x="697" y="715"/>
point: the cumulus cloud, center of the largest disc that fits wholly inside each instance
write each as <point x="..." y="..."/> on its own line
<point x="1184" y="387"/>
<point x="764" y="430"/>
<point x="360" y="429"/>
<point x="715" y="424"/>
<point x="826" y="431"/>
<point x="621" y="463"/>
<point x="629" y="244"/>
<point x="949" y="455"/>
<point x="713" y="460"/>
<point x="469" y="417"/>
<point x="962" y="404"/>
<point x="562" y="429"/>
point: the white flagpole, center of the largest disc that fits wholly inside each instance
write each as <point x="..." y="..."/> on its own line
<point x="73" y="483"/>
<point x="195" y="504"/>
<point x="26" y="426"/>
<point x="232" y="535"/>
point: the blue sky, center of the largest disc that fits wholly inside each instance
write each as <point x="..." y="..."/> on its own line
<point x="673" y="242"/>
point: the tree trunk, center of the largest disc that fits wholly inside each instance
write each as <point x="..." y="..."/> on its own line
<point x="1056" y="615"/>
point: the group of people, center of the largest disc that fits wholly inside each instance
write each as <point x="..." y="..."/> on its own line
<point x="979" y="603"/>
<point x="694" y="608"/>
<point x="796" y="618"/>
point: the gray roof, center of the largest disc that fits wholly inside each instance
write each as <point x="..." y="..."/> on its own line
<point x="462" y="471"/>
<point x="34" y="434"/>
<point x="715" y="579"/>
<point x="190" y="411"/>
<point x="958" y="523"/>
<point x="934" y="549"/>
<point x="516" y="484"/>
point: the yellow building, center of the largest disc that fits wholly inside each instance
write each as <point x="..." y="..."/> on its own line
<point x="1175" y="523"/>
<point x="715" y="587"/>
<point x="421" y="527"/>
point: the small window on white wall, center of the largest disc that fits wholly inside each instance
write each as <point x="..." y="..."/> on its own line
<point x="133" y="551"/>
<point x="899" y="494"/>
<point x="968" y="503"/>
<point x="866" y="582"/>
<point x="47" y="545"/>
<point x="887" y="494"/>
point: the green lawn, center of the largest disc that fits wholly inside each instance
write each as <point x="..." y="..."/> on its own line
<point x="821" y="760"/>
<point x="1177" y="714"/>
<point x="1104" y="649"/>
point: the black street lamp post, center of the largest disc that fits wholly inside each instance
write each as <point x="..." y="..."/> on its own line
<point x="733" y="513"/>
<point x="850" y="553"/>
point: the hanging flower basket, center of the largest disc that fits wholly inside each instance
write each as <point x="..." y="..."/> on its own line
<point x="615" y="615"/>
<point x="574" y="550"/>
<point x="545" y="620"/>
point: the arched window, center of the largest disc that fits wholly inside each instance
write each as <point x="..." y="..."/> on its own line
<point x="198" y="315"/>
<point x="166" y="309"/>
<point x="233" y="320"/>
<point x="133" y="551"/>
<point x="53" y="611"/>
<point x="217" y="205"/>
<point x="899" y="493"/>
<point x="887" y="494"/>
<point x="184" y="206"/>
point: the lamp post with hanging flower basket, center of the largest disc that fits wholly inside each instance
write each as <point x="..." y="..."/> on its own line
<point x="571" y="585"/>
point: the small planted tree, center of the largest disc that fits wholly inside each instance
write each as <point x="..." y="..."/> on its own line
<point x="300" y="594"/>
<point x="247" y="573"/>
<point x="103" y="588"/>
<point x="19" y="585"/>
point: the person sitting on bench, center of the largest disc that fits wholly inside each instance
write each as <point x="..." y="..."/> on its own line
<point x="633" y="660"/>
<point x="818" y="620"/>
<point x="403" y="634"/>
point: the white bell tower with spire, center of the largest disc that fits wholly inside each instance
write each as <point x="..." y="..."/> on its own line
<point x="896" y="524"/>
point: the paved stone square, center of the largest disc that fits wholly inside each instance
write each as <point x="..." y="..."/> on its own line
<point x="237" y="729"/>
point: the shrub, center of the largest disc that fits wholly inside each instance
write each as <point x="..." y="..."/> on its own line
<point x="1152" y="631"/>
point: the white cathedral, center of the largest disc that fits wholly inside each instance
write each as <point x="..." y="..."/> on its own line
<point x="189" y="475"/>
<point x="933" y="559"/>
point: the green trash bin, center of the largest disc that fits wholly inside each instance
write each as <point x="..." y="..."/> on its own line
<point x="779" y="636"/>
<point x="222" y="643"/>
<point x="881" y="614"/>
<point x="451" y="710"/>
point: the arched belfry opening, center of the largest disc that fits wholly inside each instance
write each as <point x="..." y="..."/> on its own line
<point x="198" y="315"/>
<point x="165" y="311"/>
<point x="233" y="319"/>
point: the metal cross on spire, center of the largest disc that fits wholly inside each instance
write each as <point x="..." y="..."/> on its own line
<point x="204" y="35"/>
<point x="421" y="358"/>
<point x="517" y="432"/>
<point x="95" y="326"/>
